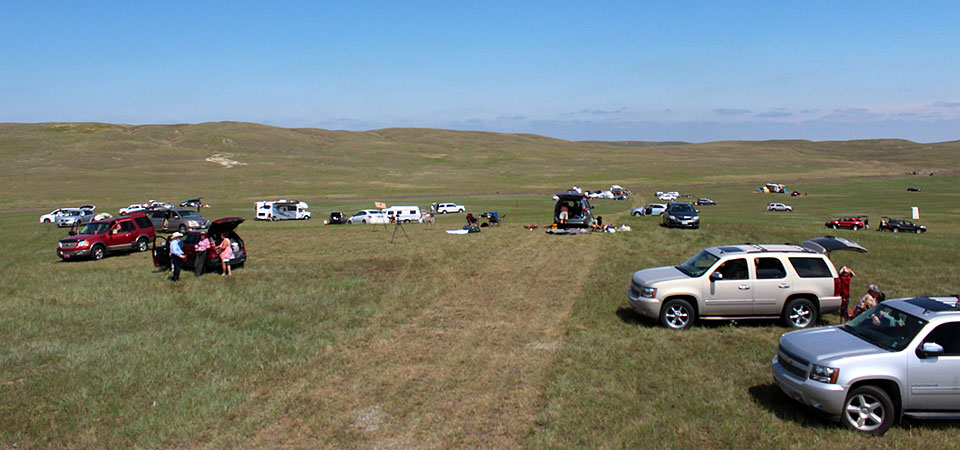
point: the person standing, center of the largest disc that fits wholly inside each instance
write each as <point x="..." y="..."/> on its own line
<point x="226" y="254"/>
<point x="200" y="257"/>
<point x="845" y="275"/>
<point x="176" y="255"/>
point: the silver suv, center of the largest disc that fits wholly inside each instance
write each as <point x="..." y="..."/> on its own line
<point x="747" y="281"/>
<point x="899" y="358"/>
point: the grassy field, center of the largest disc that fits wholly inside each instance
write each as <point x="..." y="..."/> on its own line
<point x="335" y="337"/>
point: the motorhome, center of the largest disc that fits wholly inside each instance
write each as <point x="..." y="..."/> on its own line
<point x="282" y="210"/>
<point x="404" y="214"/>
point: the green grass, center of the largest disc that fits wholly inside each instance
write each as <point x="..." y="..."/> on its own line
<point x="335" y="337"/>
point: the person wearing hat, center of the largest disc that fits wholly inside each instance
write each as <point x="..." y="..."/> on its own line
<point x="869" y="300"/>
<point x="176" y="254"/>
<point x="200" y="257"/>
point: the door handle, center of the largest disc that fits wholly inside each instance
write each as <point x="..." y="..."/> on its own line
<point x="744" y="287"/>
<point x="783" y="285"/>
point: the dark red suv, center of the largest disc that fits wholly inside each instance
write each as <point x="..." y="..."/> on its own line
<point x="218" y="228"/>
<point x="125" y="233"/>
<point x="853" y="223"/>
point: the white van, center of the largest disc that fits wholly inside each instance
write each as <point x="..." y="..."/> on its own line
<point x="282" y="210"/>
<point x="404" y="214"/>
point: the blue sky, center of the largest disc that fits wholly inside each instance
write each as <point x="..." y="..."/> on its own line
<point x="693" y="71"/>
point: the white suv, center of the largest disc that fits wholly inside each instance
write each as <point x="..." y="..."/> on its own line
<point x="779" y="207"/>
<point x="899" y="358"/>
<point x="445" y="208"/>
<point x="746" y="281"/>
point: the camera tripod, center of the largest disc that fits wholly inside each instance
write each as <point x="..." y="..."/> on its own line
<point x="398" y="225"/>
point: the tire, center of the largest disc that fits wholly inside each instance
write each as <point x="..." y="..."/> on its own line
<point x="896" y="230"/>
<point x="855" y="228"/>
<point x="636" y="214"/>
<point x="834" y="226"/>
<point x="142" y="245"/>
<point x="799" y="313"/>
<point x="677" y="314"/>
<point x="97" y="252"/>
<point x="868" y="409"/>
<point x="460" y="210"/>
<point x="183" y="228"/>
<point x="364" y="221"/>
<point x="917" y="231"/>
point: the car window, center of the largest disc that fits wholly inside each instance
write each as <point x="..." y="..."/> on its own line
<point x="681" y="208"/>
<point x="948" y="336"/>
<point x="811" y="267"/>
<point x="698" y="264"/>
<point x="734" y="269"/>
<point x="143" y="222"/>
<point x="885" y="327"/>
<point x="769" y="268"/>
<point x="126" y="226"/>
<point x="158" y="215"/>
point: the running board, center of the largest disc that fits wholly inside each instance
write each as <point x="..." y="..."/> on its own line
<point x="736" y="317"/>
<point x="936" y="415"/>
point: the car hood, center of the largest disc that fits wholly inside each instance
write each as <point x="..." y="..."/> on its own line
<point x="646" y="277"/>
<point x="78" y="237"/>
<point x="826" y="344"/>
<point x="224" y="225"/>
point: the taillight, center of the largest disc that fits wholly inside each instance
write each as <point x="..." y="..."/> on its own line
<point x="836" y="286"/>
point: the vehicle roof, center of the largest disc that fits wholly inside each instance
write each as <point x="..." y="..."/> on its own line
<point x="125" y="216"/>
<point x="758" y="248"/>
<point x="926" y="307"/>
<point x="570" y="195"/>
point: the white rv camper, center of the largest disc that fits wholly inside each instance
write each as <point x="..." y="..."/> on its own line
<point x="282" y="210"/>
<point x="404" y="214"/>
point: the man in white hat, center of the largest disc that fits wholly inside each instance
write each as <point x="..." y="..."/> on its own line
<point x="176" y="255"/>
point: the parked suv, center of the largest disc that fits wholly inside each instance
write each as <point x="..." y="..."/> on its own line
<point x="680" y="214"/>
<point x="749" y="281"/>
<point x="778" y="207"/>
<point x="70" y="217"/>
<point x="899" y="358"/>
<point x="125" y="233"/>
<point x="445" y="208"/>
<point x="578" y="209"/>
<point x="853" y="223"/>
<point x="182" y="220"/>
<point x="900" y="225"/>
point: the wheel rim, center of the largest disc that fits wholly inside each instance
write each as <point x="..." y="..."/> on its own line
<point x="865" y="412"/>
<point x="896" y="230"/>
<point x="917" y="231"/>
<point x="854" y="228"/>
<point x="143" y="245"/>
<point x="834" y="226"/>
<point x="677" y="316"/>
<point x="98" y="253"/>
<point x="800" y="316"/>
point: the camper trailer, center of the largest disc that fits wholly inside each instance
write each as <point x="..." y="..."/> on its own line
<point x="282" y="210"/>
<point x="404" y="214"/>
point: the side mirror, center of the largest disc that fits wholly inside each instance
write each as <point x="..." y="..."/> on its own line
<point x="930" y="350"/>
<point x="716" y="276"/>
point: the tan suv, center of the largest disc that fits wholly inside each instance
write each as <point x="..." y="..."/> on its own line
<point x="745" y="281"/>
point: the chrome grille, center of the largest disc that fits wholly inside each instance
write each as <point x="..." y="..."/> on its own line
<point x="795" y="365"/>
<point x="68" y="244"/>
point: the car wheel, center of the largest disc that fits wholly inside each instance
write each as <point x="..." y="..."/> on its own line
<point x="183" y="228"/>
<point x="868" y="409"/>
<point x="799" y="313"/>
<point x="364" y="221"/>
<point x="834" y="226"/>
<point x="636" y="214"/>
<point x="917" y="231"/>
<point x="97" y="253"/>
<point x="142" y="244"/>
<point x="896" y="230"/>
<point x="677" y="314"/>
<point x="855" y="228"/>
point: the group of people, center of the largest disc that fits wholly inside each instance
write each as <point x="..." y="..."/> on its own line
<point x="177" y="255"/>
<point x="869" y="300"/>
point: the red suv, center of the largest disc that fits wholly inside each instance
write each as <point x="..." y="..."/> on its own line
<point x="221" y="227"/>
<point x="853" y="223"/>
<point x="125" y="233"/>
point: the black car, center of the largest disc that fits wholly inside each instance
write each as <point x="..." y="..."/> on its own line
<point x="680" y="214"/>
<point x="900" y="225"/>
<point x="573" y="211"/>
<point x="336" y="218"/>
<point x="913" y="189"/>
<point x="192" y="203"/>
<point x="705" y="201"/>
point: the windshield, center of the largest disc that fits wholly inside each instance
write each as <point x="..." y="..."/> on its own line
<point x="682" y="208"/>
<point x="186" y="213"/>
<point x="95" y="228"/>
<point x="885" y="327"/>
<point x="699" y="264"/>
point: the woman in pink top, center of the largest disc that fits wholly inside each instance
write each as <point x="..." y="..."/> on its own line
<point x="226" y="254"/>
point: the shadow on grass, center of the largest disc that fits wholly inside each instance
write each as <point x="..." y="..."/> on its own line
<point x="770" y="397"/>
<point x="631" y="317"/>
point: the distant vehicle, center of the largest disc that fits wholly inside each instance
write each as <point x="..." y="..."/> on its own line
<point x="70" y="217"/>
<point x="913" y="189"/>
<point x="364" y="216"/>
<point x="797" y="283"/>
<point x="51" y="217"/>
<point x="282" y="210"/>
<point x="650" y="209"/>
<point x="404" y="214"/>
<point x="779" y="207"/>
<point x="773" y="188"/>
<point x="681" y="215"/>
<point x="578" y="209"/>
<point x="136" y="207"/>
<point x="900" y="225"/>
<point x="705" y="201"/>
<point x="192" y="203"/>
<point x="853" y="223"/>
<point x="668" y="196"/>
<point x="446" y="208"/>
<point x="795" y="194"/>
<point x="226" y="226"/>
<point x="336" y="218"/>
<point x="899" y="358"/>
<point x="125" y="233"/>
<point x="182" y="220"/>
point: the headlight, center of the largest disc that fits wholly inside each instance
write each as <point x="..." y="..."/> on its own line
<point x="824" y="374"/>
<point x="648" y="292"/>
<point x="671" y="217"/>
<point x="82" y="243"/>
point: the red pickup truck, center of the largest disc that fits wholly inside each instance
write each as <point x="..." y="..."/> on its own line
<point x="125" y="233"/>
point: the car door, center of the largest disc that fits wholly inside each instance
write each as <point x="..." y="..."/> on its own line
<point x="732" y="293"/>
<point x="771" y="286"/>
<point x="935" y="380"/>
